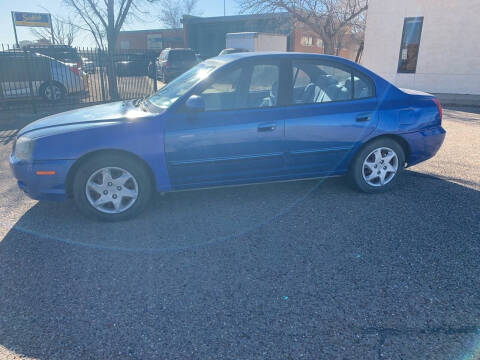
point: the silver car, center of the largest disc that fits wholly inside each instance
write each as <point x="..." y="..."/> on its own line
<point x="88" y="65"/>
<point x="22" y="73"/>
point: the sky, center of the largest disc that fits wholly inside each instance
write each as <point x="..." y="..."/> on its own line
<point x="56" y="7"/>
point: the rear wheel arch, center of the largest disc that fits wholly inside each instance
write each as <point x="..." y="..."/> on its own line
<point x="397" y="138"/>
<point x="86" y="157"/>
<point x="378" y="164"/>
<point x="41" y="89"/>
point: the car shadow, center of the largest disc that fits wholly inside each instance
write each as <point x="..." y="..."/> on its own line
<point x="156" y="287"/>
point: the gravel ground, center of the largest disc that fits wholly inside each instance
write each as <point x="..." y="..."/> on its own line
<point x="300" y="270"/>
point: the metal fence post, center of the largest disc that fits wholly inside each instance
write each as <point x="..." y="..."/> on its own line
<point x="28" y="57"/>
<point x="102" y="79"/>
<point x="155" y="74"/>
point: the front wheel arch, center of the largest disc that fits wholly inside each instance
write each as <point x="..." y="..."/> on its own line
<point x="86" y="157"/>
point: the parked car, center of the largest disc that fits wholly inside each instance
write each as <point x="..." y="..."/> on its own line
<point x="64" y="53"/>
<point x="132" y="64"/>
<point x="51" y="79"/>
<point x="231" y="51"/>
<point x="174" y="62"/>
<point x="88" y="66"/>
<point x="235" y="119"/>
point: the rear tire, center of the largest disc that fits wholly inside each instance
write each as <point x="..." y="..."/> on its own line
<point x="112" y="188"/>
<point x="377" y="166"/>
<point x="53" y="91"/>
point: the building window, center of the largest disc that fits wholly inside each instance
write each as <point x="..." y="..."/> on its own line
<point x="306" y="41"/>
<point x="412" y="31"/>
<point x="320" y="43"/>
<point x="124" y="44"/>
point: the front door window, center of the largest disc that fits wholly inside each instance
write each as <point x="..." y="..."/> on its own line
<point x="248" y="87"/>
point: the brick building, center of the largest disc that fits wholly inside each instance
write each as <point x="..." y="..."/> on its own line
<point x="302" y="39"/>
<point x="207" y="35"/>
<point x="155" y="39"/>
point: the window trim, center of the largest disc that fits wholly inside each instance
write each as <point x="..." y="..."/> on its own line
<point x="419" y="19"/>
<point x="353" y="72"/>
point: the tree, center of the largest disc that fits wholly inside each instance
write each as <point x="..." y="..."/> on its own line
<point x="64" y="31"/>
<point x="172" y="11"/>
<point x="329" y="19"/>
<point x="104" y="19"/>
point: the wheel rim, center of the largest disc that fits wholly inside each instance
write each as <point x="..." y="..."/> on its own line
<point x="53" y="92"/>
<point x="111" y="190"/>
<point x="380" y="167"/>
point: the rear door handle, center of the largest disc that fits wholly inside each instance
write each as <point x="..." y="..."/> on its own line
<point x="364" y="117"/>
<point x="267" y="127"/>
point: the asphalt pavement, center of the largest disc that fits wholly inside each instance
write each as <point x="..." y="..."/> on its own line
<point x="297" y="270"/>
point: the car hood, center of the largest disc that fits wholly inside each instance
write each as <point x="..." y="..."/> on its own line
<point x="111" y="112"/>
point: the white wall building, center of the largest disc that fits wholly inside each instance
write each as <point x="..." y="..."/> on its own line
<point x="428" y="45"/>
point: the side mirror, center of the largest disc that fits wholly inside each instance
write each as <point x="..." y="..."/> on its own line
<point x="195" y="104"/>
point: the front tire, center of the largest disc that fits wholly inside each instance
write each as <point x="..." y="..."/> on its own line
<point x="377" y="166"/>
<point x="112" y="188"/>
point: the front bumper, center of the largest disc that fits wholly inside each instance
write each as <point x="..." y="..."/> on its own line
<point x="424" y="144"/>
<point x="41" y="187"/>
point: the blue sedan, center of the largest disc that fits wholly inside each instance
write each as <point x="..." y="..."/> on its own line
<point x="235" y="119"/>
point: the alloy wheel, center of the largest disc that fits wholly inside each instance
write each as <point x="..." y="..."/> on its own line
<point x="380" y="167"/>
<point x="53" y="92"/>
<point x="111" y="190"/>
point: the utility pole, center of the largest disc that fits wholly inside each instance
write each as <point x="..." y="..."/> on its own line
<point x="224" y="9"/>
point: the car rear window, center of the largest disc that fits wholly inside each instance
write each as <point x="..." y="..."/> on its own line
<point x="176" y="55"/>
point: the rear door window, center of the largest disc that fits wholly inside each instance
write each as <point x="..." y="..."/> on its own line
<point x="322" y="82"/>
<point x="362" y="88"/>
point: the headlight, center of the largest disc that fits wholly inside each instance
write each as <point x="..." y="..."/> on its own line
<point x="24" y="148"/>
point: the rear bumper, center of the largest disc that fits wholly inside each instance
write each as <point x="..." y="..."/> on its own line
<point x="424" y="144"/>
<point x="41" y="187"/>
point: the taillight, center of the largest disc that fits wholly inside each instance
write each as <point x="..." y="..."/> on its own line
<point x="167" y="64"/>
<point x="74" y="70"/>
<point x="439" y="107"/>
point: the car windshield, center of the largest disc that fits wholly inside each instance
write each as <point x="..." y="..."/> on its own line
<point x="171" y="92"/>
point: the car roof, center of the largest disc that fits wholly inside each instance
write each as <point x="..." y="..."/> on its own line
<point x="279" y="54"/>
<point x="179" y="49"/>
<point x="228" y="58"/>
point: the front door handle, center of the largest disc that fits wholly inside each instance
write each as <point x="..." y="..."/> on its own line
<point x="363" y="117"/>
<point x="267" y="127"/>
